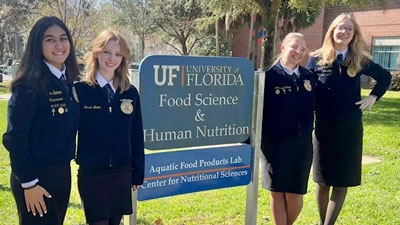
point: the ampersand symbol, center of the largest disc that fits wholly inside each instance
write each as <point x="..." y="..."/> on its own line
<point x="199" y="116"/>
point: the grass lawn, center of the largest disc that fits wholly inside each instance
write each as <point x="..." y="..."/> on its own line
<point x="376" y="201"/>
<point x="4" y="87"/>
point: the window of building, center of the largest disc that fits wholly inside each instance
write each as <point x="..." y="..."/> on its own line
<point x="385" y="52"/>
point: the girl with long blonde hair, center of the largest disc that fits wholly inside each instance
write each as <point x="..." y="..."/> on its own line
<point x="110" y="140"/>
<point x="337" y="142"/>
<point x="121" y="75"/>
<point x="287" y="127"/>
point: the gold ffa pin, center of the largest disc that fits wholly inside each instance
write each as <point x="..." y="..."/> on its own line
<point x="307" y="85"/>
<point x="351" y="71"/>
<point x="126" y="106"/>
<point x="61" y="110"/>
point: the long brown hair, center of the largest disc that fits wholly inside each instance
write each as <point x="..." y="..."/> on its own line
<point x="121" y="75"/>
<point x="357" y="56"/>
<point x="32" y="67"/>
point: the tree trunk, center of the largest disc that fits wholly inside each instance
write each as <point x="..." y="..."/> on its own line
<point x="250" y="46"/>
<point x="184" y="48"/>
<point x="269" y="21"/>
<point x="217" y="44"/>
<point x="142" y="47"/>
<point x="2" y="47"/>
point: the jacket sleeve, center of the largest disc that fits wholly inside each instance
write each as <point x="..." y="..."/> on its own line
<point x="22" y="108"/>
<point x="137" y="142"/>
<point x="382" y="77"/>
<point x="311" y="64"/>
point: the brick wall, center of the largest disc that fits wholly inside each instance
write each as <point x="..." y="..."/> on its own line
<point x="314" y="35"/>
<point x="374" y="22"/>
<point x="241" y="44"/>
<point x="378" y="23"/>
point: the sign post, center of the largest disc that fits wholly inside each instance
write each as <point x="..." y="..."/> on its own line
<point x="252" y="188"/>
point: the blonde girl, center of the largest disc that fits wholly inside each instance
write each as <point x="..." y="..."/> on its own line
<point x="110" y="141"/>
<point x="287" y="127"/>
<point x="338" y="65"/>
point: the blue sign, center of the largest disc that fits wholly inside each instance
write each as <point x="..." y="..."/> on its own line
<point x="195" y="101"/>
<point x="181" y="172"/>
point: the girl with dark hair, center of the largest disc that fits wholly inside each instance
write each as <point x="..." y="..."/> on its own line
<point x="110" y="141"/>
<point x="338" y="65"/>
<point x="42" y="124"/>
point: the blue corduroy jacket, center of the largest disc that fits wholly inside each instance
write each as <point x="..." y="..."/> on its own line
<point x="109" y="134"/>
<point x="337" y="93"/>
<point x="288" y="102"/>
<point x="41" y="128"/>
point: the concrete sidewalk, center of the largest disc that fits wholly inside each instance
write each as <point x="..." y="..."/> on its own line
<point x="5" y="97"/>
<point x="369" y="159"/>
<point x="6" y="79"/>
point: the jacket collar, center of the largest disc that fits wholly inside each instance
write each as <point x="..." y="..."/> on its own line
<point x="56" y="72"/>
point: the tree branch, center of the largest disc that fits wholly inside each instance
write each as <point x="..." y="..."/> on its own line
<point x="173" y="47"/>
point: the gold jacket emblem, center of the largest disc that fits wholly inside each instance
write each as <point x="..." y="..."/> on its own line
<point x="351" y="71"/>
<point x="126" y="106"/>
<point x="307" y="85"/>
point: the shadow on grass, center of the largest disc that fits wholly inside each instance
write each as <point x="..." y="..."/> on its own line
<point x="385" y="112"/>
<point x="4" y="188"/>
<point x="144" y="222"/>
<point x="388" y="102"/>
<point x="75" y="205"/>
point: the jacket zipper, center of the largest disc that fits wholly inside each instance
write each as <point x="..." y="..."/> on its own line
<point x="110" y="110"/>
<point x="298" y="89"/>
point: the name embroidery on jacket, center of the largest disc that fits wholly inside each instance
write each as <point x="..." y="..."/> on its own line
<point x="91" y="107"/>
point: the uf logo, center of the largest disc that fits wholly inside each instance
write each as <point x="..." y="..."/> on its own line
<point x="167" y="70"/>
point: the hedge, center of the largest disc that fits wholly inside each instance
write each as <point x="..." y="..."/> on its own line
<point x="395" y="85"/>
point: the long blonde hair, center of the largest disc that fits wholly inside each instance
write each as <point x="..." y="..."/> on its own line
<point x="290" y="36"/>
<point x="121" y="76"/>
<point x="357" y="56"/>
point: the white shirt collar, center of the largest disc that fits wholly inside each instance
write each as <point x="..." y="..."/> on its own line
<point x="56" y="72"/>
<point x="344" y="53"/>
<point x="102" y="81"/>
<point x="290" y="71"/>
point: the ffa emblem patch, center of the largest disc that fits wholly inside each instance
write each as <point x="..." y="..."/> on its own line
<point x="307" y="85"/>
<point x="126" y="106"/>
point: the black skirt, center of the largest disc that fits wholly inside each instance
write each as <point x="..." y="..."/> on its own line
<point x="338" y="153"/>
<point x="105" y="193"/>
<point x="286" y="163"/>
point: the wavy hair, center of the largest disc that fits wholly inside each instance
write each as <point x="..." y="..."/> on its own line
<point x="357" y="56"/>
<point x="121" y="74"/>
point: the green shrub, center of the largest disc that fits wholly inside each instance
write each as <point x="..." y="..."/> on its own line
<point x="394" y="85"/>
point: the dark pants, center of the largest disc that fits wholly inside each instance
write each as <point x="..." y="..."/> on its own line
<point x="57" y="181"/>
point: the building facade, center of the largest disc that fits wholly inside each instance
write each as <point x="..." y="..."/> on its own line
<point x="380" y="28"/>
